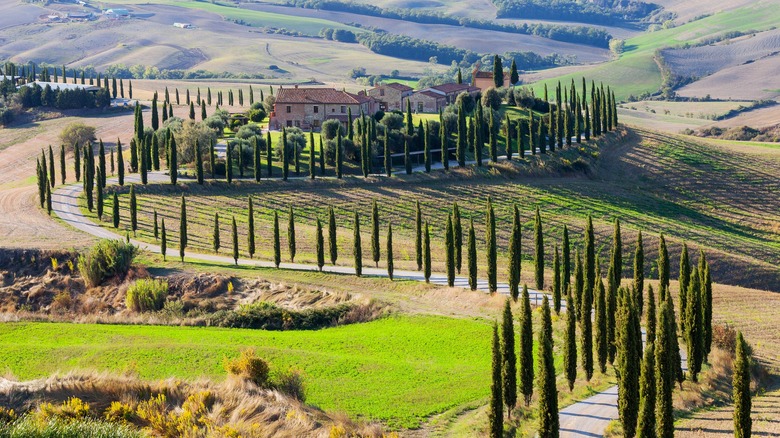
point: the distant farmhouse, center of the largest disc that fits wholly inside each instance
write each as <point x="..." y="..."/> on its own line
<point x="390" y="95"/>
<point x="434" y="99"/>
<point x="484" y="79"/>
<point x="116" y="14"/>
<point x="307" y="108"/>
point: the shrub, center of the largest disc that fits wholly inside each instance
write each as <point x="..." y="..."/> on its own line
<point x="268" y="316"/>
<point x="290" y="382"/>
<point x="724" y="337"/>
<point x="105" y="259"/>
<point x="74" y="409"/>
<point x="62" y="301"/>
<point x="248" y="367"/>
<point x="77" y="133"/>
<point x="120" y="412"/>
<point x="146" y="294"/>
<point x="7" y="415"/>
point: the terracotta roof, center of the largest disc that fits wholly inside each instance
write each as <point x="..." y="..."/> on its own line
<point x="431" y="94"/>
<point x="484" y="74"/>
<point x="454" y="88"/>
<point x="397" y="86"/>
<point x="316" y="95"/>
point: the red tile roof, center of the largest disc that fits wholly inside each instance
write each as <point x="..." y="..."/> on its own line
<point x="317" y="95"/>
<point x="397" y="86"/>
<point x="484" y="74"/>
<point x="431" y="94"/>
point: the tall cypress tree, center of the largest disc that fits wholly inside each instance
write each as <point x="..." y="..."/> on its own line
<point x="579" y="282"/>
<point x="460" y="150"/>
<point x="490" y="239"/>
<point x="407" y="154"/>
<point x="322" y="158"/>
<point x="173" y="167"/>
<point x="663" y="267"/>
<point x="229" y="164"/>
<point x="332" y="243"/>
<point x="339" y="156"/>
<point x="496" y="412"/>
<point x="77" y="164"/>
<point x="277" y="242"/>
<point x="285" y="155"/>
<point x="48" y="201"/>
<point x="52" y="177"/>
<point x="163" y="239"/>
<point x="62" y="164"/>
<point x="418" y="236"/>
<point x="685" y="277"/>
<point x="269" y="155"/>
<point x="457" y="229"/>
<point x="515" y="257"/>
<point x="215" y="235"/>
<point x="357" y="249"/>
<point x="115" y="210"/>
<point x="602" y="338"/>
<point x="556" y="286"/>
<point x="390" y="251"/>
<point x="133" y="210"/>
<point x="427" y="148"/>
<point x="616" y="259"/>
<point x="183" y="229"/>
<point x="449" y="247"/>
<point x="234" y="234"/>
<point x="250" y="237"/>
<point x="471" y="256"/>
<point x="526" y="348"/>
<point x="664" y="371"/>
<point x="375" y="248"/>
<point x="498" y="72"/>
<point x="291" y="234"/>
<point x="646" y="423"/>
<point x="312" y="153"/>
<point x="590" y="263"/>
<point x="509" y="359"/>
<point x="320" y="245"/>
<point x="570" y="347"/>
<point x="628" y="364"/>
<point x="639" y="267"/>
<point x="694" y="336"/>
<point x="538" y="251"/>
<point x="706" y="302"/>
<point x="565" y="262"/>
<point x="743" y="424"/>
<point x="586" y="335"/>
<point x="427" y="253"/>
<point x="549" y="423"/>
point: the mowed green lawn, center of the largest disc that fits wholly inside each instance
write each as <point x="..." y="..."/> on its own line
<point x="398" y="369"/>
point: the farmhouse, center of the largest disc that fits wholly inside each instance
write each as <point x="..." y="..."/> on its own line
<point x="116" y="14"/>
<point x="60" y="86"/>
<point x="308" y="107"/>
<point x="434" y="99"/>
<point x="391" y="95"/>
<point x="484" y="79"/>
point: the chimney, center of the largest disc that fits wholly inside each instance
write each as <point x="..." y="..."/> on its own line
<point x="296" y="85"/>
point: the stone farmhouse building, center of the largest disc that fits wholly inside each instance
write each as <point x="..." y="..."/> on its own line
<point x="307" y="108"/>
<point x="434" y="99"/>
<point x="389" y="96"/>
<point x="484" y="79"/>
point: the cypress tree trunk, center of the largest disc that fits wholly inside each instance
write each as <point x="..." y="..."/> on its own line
<point x="277" y="243"/>
<point x="515" y="258"/>
<point x="320" y="246"/>
<point x="490" y="239"/>
<point x="357" y="250"/>
<point x="291" y="234"/>
<point x="427" y="254"/>
<point x="418" y="236"/>
<point x="556" y="286"/>
<point x="539" y="251"/>
<point x="458" y="231"/>
<point x="183" y="229"/>
<point x="548" y="392"/>
<point x="496" y="414"/>
<point x="471" y="255"/>
<point x="570" y="348"/>
<point x="602" y="346"/>
<point x="163" y="239"/>
<point x="375" y="249"/>
<point x="526" y="348"/>
<point x="332" y="243"/>
<point x="215" y="235"/>
<point x="115" y="210"/>
<point x="250" y="238"/>
<point x="390" y="251"/>
<point x="235" y="241"/>
<point x="450" y="252"/>
<point x="508" y="359"/>
<point x="743" y="424"/>
<point x="664" y="370"/>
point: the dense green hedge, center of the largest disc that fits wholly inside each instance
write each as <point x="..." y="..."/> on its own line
<point x="268" y="316"/>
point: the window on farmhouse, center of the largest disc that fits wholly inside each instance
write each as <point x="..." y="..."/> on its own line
<point x="289" y="109"/>
<point x="343" y="109"/>
<point x="316" y="109"/>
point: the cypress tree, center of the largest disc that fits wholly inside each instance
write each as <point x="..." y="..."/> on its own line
<point x="743" y="424"/>
<point x="52" y="177"/>
<point x="388" y="158"/>
<point x="112" y="162"/>
<point x="339" y="156"/>
<point x="229" y="163"/>
<point x="409" y="122"/>
<point x="492" y="141"/>
<point x="471" y="255"/>
<point x="579" y="281"/>
<point x="143" y="167"/>
<point x="586" y="329"/>
<point x="639" y="267"/>
<point x="539" y="251"/>
<point x="460" y="150"/>
<point x="120" y="162"/>
<point x="215" y="236"/>
<point x="513" y="76"/>
<point x="548" y="392"/>
<point x="133" y="210"/>
<point x="496" y="414"/>
<point x="565" y="262"/>
<point x="628" y="364"/>
<point x="694" y="337"/>
<point x="62" y="164"/>
<point x="357" y="249"/>
<point x="407" y="156"/>
<point x="418" y="236"/>
<point x="590" y="264"/>
<point x="202" y="111"/>
<point x="183" y="229"/>
<point x="155" y="116"/>
<point x="602" y="338"/>
<point x="163" y="239"/>
<point x="706" y="302"/>
<point x="450" y="252"/>
<point x="235" y="241"/>
<point x="250" y="238"/>
<point x="99" y="197"/>
<point x="332" y="244"/>
<point x="285" y="156"/>
<point x="155" y="152"/>
<point x="48" y="201"/>
<point x="646" y="423"/>
<point x="42" y="182"/>
<point x="685" y="277"/>
<point x="515" y="257"/>
<point x="322" y="158"/>
<point x="375" y="249"/>
<point x="115" y="210"/>
<point x="173" y="166"/>
<point x="320" y="246"/>
<point x="198" y="163"/>
<point x="257" y="158"/>
<point x="664" y="371"/>
<point x="269" y="154"/>
<point x="556" y="286"/>
<point x="526" y="367"/>
<point x="445" y="150"/>
<point x="570" y="347"/>
<point x="291" y="234"/>
<point x="390" y="251"/>
<point x="458" y="232"/>
<point x="192" y="109"/>
<point x="427" y="148"/>
<point x="617" y="252"/>
<point x="277" y="244"/>
<point x="498" y="72"/>
<point x="77" y="164"/>
<point x="663" y="267"/>
<point x="490" y="239"/>
<point x="156" y="230"/>
<point x="508" y="359"/>
<point x="312" y="167"/>
<point x="427" y="254"/>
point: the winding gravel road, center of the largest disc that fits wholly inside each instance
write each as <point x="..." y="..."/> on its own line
<point x="587" y="418"/>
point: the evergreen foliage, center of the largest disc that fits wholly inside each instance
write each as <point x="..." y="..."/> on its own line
<point x="291" y="234"/>
<point x="664" y="373"/>
<point x="628" y="345"/>
<point x="458" y="234"/>
<point x="526" y="366"/>
<point x="163" y="239"/>
<point x="277" y="243"/>
<point x="743" y="424"/>
<point x="471" y="257"/>
<point x="570" y="346"/>
<point x="332" y="243"/>
<point x="375" y="248"/>
<point x="694" y="336"/>
<point x="183" y="228"/>
<point x="508" y="359"/>
<point x="515" y="256"/>
<point x="539" y="251"/>
<point x="418" y="244"/>
<point x="133" y="210"/>
<point x="390" y="251"/>
<point x="427" y="253"/>
<point x="215" y="241"/>
<point x="490" y="239"/>
<point x="602" y="338"/>
<point x="357" y="249"/>
<point x="548" y="392"/>
<point x="250" y="237"/>
<point x="115" y="210"/>
<point x="450" y="252"/>
<point x="234" y="235"/>
<point x="320" y="246"/>
<point x="496" y="413"/>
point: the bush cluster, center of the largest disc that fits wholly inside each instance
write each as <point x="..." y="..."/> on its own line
<point x="105" y="259"/>
<point x="268" y="316"/>
<point x="146" y="295"/>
